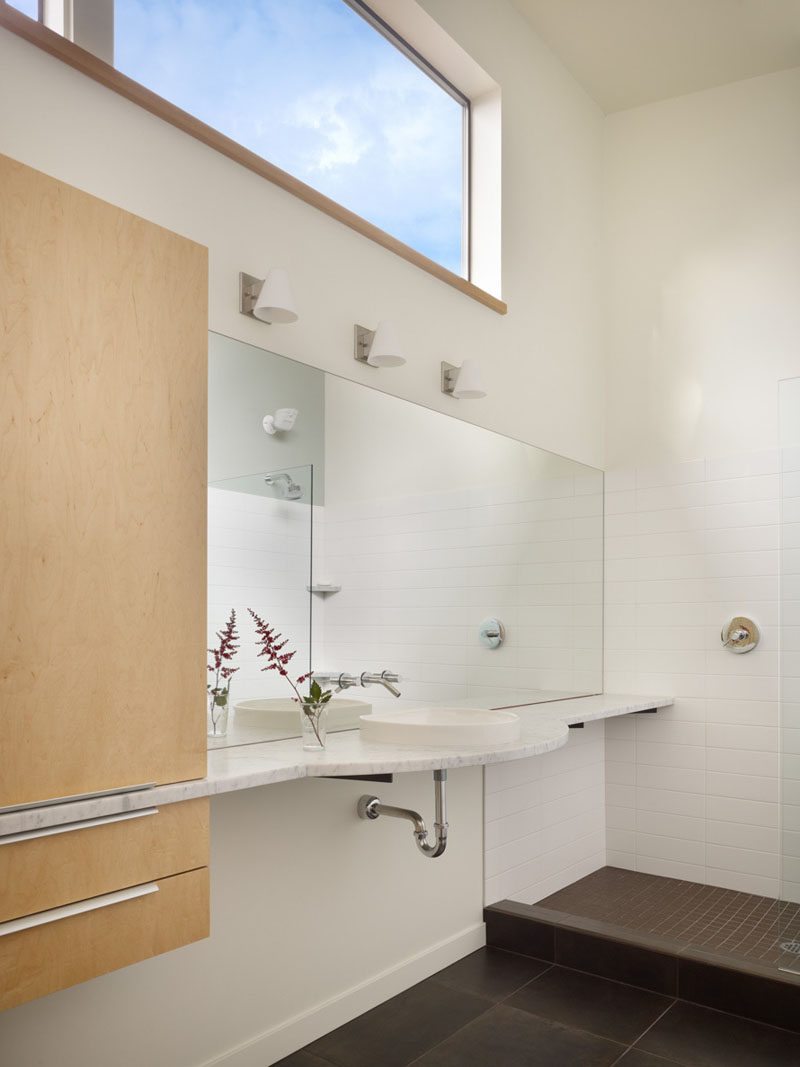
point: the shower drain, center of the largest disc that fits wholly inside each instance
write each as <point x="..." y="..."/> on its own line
<point x="790" y="946"/>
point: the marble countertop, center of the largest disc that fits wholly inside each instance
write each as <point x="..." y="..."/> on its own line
<point x="544" y="727"/>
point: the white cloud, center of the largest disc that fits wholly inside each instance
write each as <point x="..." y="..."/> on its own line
<point x="311" y="87"/>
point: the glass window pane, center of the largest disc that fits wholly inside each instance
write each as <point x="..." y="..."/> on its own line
<point x="314" y="89"/>
<point x="27" y="7"/>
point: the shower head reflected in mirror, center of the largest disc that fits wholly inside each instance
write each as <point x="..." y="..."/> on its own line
<point x="284" y="486"/>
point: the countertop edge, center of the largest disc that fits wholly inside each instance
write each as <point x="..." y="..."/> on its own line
<point x="545" y="728"/>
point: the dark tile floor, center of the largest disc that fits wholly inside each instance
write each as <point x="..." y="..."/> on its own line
<point x="722" y="921"/>
<point x="498" y="1009"/>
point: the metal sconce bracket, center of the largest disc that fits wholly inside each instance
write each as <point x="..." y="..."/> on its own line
<point x="249" y="288"/>
<point x="449" y="376"/>
<point x="362" y="339"/>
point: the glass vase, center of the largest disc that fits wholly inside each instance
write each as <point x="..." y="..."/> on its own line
<point x="313" y="726"/>
<point x="217" y="717"/>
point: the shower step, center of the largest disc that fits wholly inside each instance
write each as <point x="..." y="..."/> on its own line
<point x="739" y="986"/>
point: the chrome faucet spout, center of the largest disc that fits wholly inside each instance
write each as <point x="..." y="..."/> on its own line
<point x="386" y="678"/>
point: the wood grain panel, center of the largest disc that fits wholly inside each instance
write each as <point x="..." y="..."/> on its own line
<point x="106" y="75"/>
<point x="48" y="872"/>
<point x="40" y="960"/>
<point x="103" y="353"/>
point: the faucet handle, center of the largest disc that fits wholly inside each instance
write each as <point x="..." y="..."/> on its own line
<point x="340" y="681"/>
<point x="345" y="681"/>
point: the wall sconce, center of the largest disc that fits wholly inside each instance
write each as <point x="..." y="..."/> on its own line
<point x="268" y="299"/>
<point x="379" y="347"/>
<point x="464" y="382"/>
<point x="283" y="419"/>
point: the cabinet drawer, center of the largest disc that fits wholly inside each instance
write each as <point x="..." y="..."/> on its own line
<point x="45" y="872"/>
<point x="68" y="950"/>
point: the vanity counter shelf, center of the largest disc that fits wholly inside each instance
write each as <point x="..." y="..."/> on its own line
<point x="544" y="727"/>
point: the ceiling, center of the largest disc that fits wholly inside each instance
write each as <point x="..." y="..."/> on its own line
<point x="631" y="52"/>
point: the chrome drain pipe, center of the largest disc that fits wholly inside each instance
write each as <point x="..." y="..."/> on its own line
<point x="370" y="808"/>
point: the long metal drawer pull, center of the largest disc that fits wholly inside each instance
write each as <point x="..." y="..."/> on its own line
<point x="14" y="926"/>
<point x="75" y="797"/>
<point x="67" y="827"/>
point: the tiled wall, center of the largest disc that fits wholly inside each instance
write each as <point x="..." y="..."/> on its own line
<point x="258" y="557"/>
<point x="545" y="825"/>
<point x="790" y="672"/>
<point x="693" y="792"/>
<point x="419" y="573"/>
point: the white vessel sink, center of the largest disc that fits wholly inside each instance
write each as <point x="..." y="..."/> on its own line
<point x="450" y="727"/>
<point x="276" y="713"/>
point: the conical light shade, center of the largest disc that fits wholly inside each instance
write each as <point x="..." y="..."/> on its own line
<point x="469" y="384"/>
<point x="386" y="350"/>
<point x="275" y="302"/>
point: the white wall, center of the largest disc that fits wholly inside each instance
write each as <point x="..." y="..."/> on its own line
<point x="545" y="821"/>
<point x="693" y="791"/>
<point x="703" y="214"/>
<point x="420" y="572"/>
<point x="543" y="365"/>
<point x="432" y="525"/>
<point x="703" y="217"/>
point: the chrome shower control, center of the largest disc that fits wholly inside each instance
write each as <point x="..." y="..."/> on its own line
<point x="492" y="633"/>
<point x="740" y="634"/>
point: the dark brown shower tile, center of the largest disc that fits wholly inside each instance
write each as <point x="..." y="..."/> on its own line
<point x="511" y="929"/>
<point x="643" y="967"/>
<point x="767" y="1000"/>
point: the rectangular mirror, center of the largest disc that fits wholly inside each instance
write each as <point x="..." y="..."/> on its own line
<point x="393" y="537"/>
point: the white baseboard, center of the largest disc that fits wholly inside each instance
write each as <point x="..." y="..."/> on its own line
<point x="296" y="1032"/>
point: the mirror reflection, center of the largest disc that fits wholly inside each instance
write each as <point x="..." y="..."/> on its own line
<point x="378" y="536"/>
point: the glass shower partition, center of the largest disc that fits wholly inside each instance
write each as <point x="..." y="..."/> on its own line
<point x="259" y="557"/>
<point x="789" y="918"/>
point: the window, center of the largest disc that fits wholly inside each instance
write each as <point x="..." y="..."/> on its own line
<point x="323" y="89"/>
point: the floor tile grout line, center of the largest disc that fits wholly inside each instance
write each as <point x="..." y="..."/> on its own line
<point x="741" y="1018"/>
<point x="449" y="1036"/>
<point x="645" y="1032"/>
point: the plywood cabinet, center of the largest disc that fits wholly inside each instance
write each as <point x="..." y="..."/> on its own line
<point x="41" y="870"/>
<point x="103" y="349"/>
<point x="73" y="948"/>
<point x="102" y="524"/>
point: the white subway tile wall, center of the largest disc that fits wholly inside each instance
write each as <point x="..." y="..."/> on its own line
<point x="420" y="573"/>
<point x="544" y="822"/>
<point x="258" y="557"/>
<point x="693" y="792"/>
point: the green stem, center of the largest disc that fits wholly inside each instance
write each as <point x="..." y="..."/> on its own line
<point x="314" y="722"/>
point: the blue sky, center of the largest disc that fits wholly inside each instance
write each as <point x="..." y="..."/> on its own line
<point x="310" y="86"/>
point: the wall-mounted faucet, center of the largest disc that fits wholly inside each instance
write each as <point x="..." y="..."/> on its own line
<point x="346" y="681"/>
